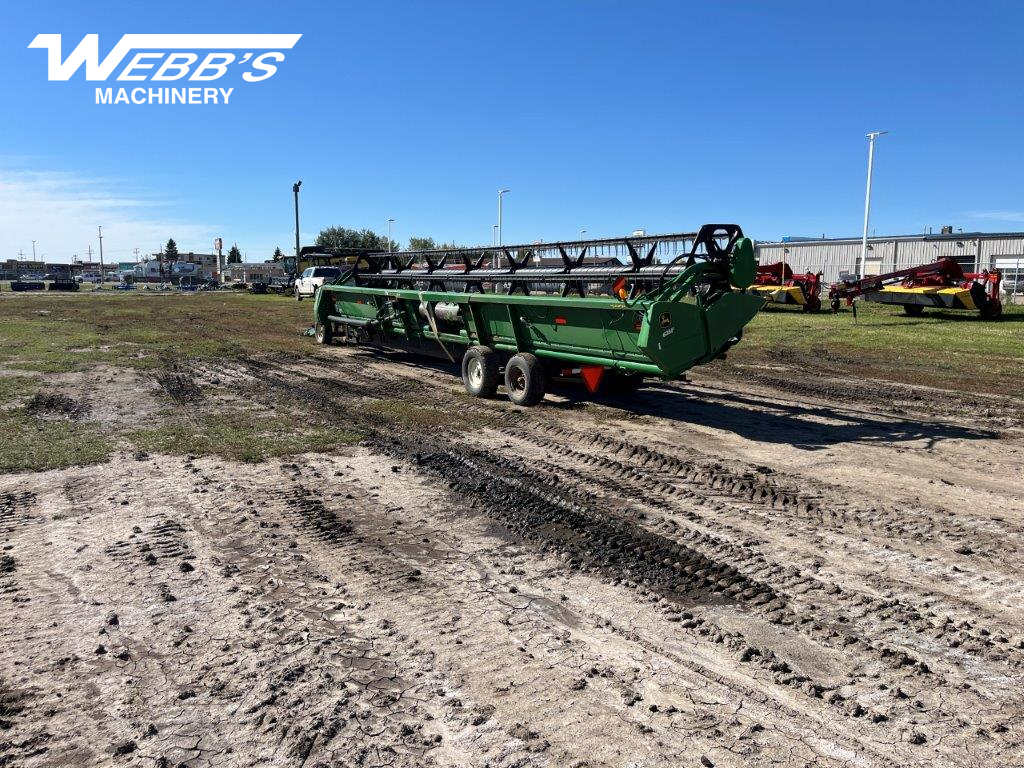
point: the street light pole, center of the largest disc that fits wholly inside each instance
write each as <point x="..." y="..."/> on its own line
<point x="497" y="258"/>
<point x="582" y="233"/>
<point x="867" y="200"/>
<point x="295" y="191"/>
<point x="494" y="235"/>
<point x="500" y="193"/>
<point x="102" y="276"/>
<point x="390" y="222"/>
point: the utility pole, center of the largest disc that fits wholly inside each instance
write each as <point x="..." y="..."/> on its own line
<point x="867" y="199"/>
<point x="33" y="250"/>
<point x="295" y="190"/>
<point x="102" y="276"/>
<point x="390" y="222"/>
<point x="501" y="192"/>
<point x="497" y="258"/>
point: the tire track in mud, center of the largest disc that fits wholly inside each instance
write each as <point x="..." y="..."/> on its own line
<point x="571" y="522"/>
<point x="704" y="476"/>
<point x="14" y="511"/>
<point x="822" y="385"/>
<point x="305" y="508"/>
<point x="262" y="656"/>
<point x="615" y="476"/>
<point x="708" y="482"/>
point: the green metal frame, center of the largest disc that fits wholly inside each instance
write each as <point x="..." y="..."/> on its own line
<point x="663" y="333"/>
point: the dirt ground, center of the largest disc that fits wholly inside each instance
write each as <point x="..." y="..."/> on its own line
<point x="755" y="568"/>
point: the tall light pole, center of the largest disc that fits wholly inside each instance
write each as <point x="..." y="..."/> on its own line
<point x="867" y="199"/>
<point x="390" y="222"/>
<point x="497" y="258"/>
<point x="582" y="233"/>
<point x="102" y="276"/>
<point x="33" y="250"/>
<point x="494" y="235"/>
<point x="295" y="191"/>
<point x="500" y="193"/>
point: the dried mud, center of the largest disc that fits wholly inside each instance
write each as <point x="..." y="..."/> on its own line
<point x="711" y="574"/>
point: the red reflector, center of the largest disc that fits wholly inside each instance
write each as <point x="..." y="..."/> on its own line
<point x="559" y="321"/>
<point x="638" y="325"/>
<point x="592" y="375"/>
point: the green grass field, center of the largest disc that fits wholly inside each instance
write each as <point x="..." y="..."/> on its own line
<point x="952" y="350"/>
<point x="46" y="334"/>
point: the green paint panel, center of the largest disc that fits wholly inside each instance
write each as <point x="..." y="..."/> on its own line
<point x="673" y="335"/>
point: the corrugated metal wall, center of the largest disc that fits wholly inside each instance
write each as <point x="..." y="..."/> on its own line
<point x="833" y="257"/>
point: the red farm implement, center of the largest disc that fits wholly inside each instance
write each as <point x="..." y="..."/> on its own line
<point x="778" y="284"/>
<point x="940" y="285"/>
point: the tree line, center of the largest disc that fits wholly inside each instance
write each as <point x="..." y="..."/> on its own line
<point x="332" y="237"/>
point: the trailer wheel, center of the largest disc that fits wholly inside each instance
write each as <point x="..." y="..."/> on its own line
<point x="525" y="379"/>
<point x="993" y="310"/>
<point x="324" y="332"/>
<point x="480" y="371"/>
<point x="913" y="310"/>
<point x="813" y="304"/>
<point x="835" y="305"/>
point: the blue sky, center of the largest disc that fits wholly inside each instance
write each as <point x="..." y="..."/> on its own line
<point x="604" y="116"/>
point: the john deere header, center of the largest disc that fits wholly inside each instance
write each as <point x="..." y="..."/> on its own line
<point x="607" y="311"/>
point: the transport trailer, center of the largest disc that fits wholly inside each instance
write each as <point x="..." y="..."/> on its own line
<point x="941" y="285"/>
<point x="778" y="284"/>
<point x="608" y="323"/>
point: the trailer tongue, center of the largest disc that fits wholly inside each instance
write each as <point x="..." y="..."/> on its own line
<point x="599" y="320"/>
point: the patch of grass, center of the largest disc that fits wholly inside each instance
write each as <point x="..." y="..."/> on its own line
<point x="242" y="435"/>
<point x="31" y="444"/>
<point x="50" y="334"/>
<point x="12" y="387"/>
<point x="955" y="350"/>
<point x="411" y="415"/>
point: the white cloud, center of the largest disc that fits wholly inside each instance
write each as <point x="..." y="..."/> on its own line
<point x="997" y="215"/>
<point x="61" y="210"/>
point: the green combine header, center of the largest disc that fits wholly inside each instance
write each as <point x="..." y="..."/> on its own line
<point x="610" y="312"/>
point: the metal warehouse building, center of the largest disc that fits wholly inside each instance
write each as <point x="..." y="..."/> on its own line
<point x="974" y="251"/>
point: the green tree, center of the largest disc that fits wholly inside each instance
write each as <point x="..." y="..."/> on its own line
<point x="422" y="244"/>
<point x="343" y="237"/>
<point x="234" y="255"/>
<point x="171" y="250"/>
<point x="277" y="254"/>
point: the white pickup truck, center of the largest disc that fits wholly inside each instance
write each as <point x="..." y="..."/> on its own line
<point x="312" y="278"/>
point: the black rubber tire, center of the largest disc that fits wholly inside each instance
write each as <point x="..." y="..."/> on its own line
<point x="813" y="304"/>
<point x="993" y="310"/>
<point x="525" y="379"/>
<point x="913" y="310"/>
<point x="835" y="305"/>
<point x="484" y="380"/>
<point x="324" y="333"/>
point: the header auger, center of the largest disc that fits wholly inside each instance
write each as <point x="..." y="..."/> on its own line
<point x="555" y="309"/>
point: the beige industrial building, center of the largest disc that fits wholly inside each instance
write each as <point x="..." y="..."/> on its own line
<point x="974" y="251"/>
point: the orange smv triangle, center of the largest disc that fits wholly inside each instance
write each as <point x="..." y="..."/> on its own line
<point x="592" y="375"/>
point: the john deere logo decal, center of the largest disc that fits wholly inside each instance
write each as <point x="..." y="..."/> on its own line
<point x="666" y="320"/>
